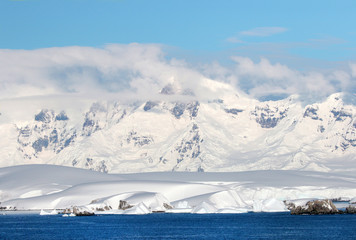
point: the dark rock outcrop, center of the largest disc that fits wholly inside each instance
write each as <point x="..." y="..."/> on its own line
<point x="106" y="208"/>
<point x="78" y="211"/>
<point x="269" y="117"/>
<point x="167" y="206"/>
<point x="193" y="108"/>
<point x="40" y="143"/>
<point x="149" y="105"/>
<point x="314" y="207"/>
<point x="190" y="146"/>
<point x="62" y="116"/>
<point x="44" y="116"/>
<point x="168" y="90"/>
<point x="178" y="110"/>
<point x="123" y="205"/>
<point x="234" y="111"/>
<point x="137" y="140"/>
<point x="340" y="115"/>
<point x="312" y="112"/>
<point x="351" y="209"/>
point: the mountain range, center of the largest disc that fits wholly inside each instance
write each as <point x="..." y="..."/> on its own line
<point x="233" y="132"/>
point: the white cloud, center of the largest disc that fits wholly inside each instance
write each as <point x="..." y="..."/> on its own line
<point x="264" y="78"/>
<point x="262" y="69"/>
<point x="81" y="70"/>
<point x="125" y="71"/>
<point x="140" y="71"/>
<point x="263" y="31"/>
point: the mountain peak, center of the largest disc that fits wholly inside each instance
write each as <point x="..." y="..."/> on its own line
<point x="175" y="89"/>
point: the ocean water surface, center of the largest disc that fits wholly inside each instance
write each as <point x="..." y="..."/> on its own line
<point x="178" y="226"/>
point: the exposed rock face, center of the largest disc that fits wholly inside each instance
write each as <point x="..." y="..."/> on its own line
<point x="314" y="207"/>
<point x="62" y="116"/>
<point x="178" y="110"/>
<point x="106" y="208"/>
<point x="234" y="111"/>
<point x="137" y="140"/>
<point x="45" y="116"/>
<point x="351" y="209"/>
<point x="48" y="132"/>
<point x="94" y="119"/>
<point x="167" y="206"/>
<point x="149" y="105"/>
<point x="267" y="116"/>
<point x="193" y="109"/>
<point x="123" y="205"/>
<point x="189" y="148"/>
<point x="78" y="211"/>
<point x="312" y="113"/>
<point x="341" y="115"/>
<point x="168" y="90"/>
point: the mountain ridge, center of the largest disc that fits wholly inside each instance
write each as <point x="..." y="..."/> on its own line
<point x="231" y="133"/>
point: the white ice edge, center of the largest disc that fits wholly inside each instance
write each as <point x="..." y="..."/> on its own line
<point x="256" y="191"/>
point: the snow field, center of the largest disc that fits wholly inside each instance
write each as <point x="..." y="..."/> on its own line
<point x="51" y="188"/>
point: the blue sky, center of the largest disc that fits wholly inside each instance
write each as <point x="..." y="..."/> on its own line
<point x="274" y="47"/>
<point x="313" y="29"/>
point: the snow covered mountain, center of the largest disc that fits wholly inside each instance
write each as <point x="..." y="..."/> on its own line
<point x="230" y="133"/>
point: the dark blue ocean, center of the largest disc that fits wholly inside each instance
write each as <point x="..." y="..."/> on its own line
<point x="179" y="226"/>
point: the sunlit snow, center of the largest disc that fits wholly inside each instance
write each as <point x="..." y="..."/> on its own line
<point x="258" y="191"/>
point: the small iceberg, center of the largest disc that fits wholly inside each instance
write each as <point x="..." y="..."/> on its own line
<point x="53" y="212"/>
<point x="68" y="215"/>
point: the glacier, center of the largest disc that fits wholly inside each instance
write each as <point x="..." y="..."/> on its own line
<point x="52" y="189"/>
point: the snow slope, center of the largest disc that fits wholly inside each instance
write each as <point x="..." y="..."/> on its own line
<point x="51" y="187"/>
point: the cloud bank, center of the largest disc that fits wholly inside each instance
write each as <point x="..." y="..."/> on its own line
<point x="140" y="71"/>
<point x="267" y="78"/>
<point x="134" y="69"/>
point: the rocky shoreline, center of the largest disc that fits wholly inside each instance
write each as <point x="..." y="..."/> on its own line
<point x="295" y="207"/>
<point x="318" y="207"/>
